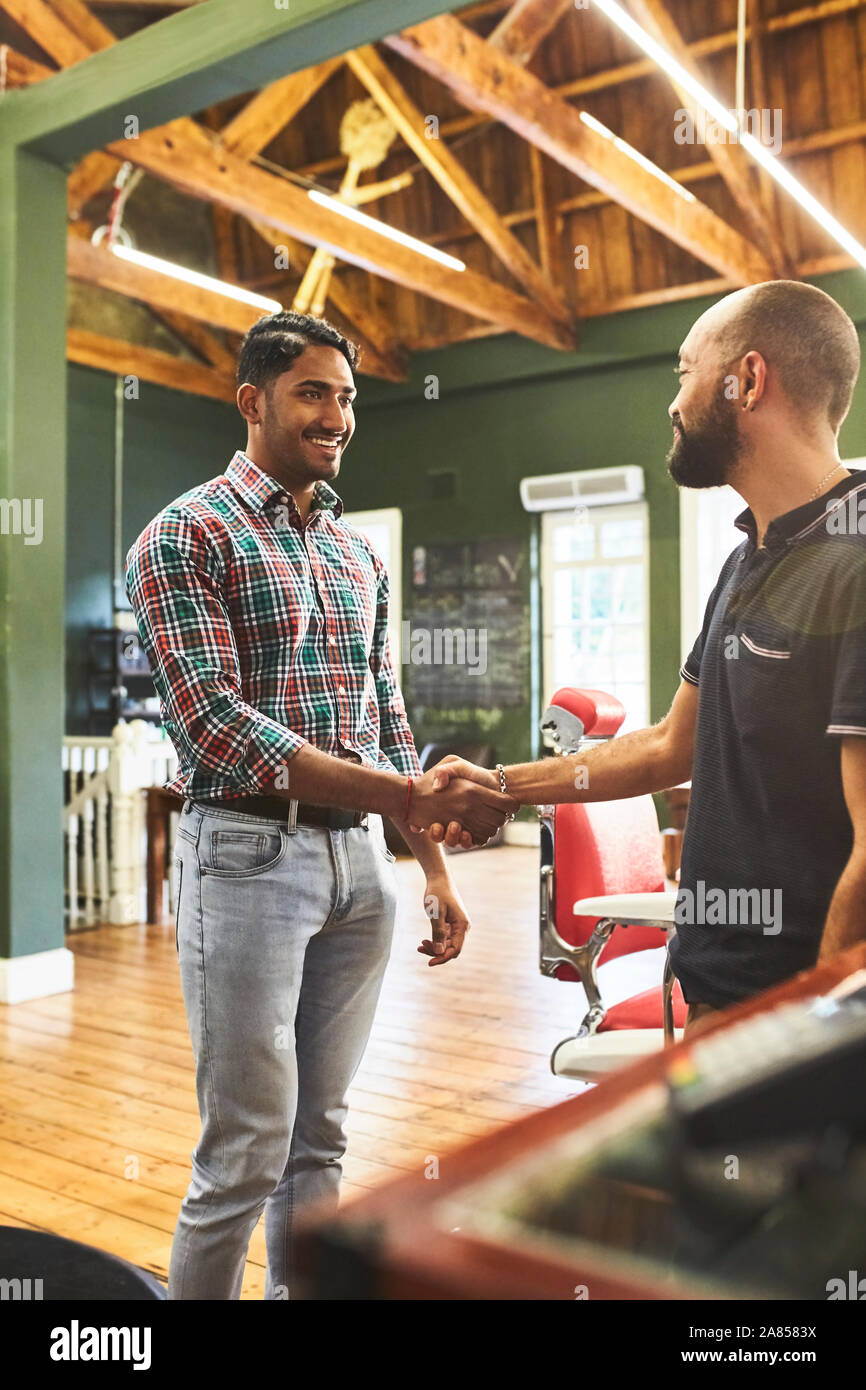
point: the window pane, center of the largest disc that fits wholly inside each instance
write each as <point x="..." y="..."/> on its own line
<point x="568" y="596"/>
<point x="573" y="540"/>
<point x="596" y="607"/>
<point x="628" y="600"/>
<point x="600" y="592"/>
<point x="620" y="538"/>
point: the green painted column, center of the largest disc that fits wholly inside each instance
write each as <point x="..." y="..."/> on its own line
<point x="32" y="550"/>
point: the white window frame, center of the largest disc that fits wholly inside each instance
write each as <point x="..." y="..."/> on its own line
<point x="392" y="519"/>
<point x="705" y="544"/>
<point x="620" y="511"/>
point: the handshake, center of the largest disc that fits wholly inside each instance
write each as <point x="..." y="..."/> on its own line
<point x="459" y="804"/>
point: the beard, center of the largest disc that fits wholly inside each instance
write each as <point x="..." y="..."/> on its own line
<point x="707" y="454"/>
<point x="287" y="448"/>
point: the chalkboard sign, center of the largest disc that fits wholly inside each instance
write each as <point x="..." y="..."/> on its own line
<point x="466" y="640"/>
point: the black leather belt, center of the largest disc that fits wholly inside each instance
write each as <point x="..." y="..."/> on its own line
<point x="275" y="808"/>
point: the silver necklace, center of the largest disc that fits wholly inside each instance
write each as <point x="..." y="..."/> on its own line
<point x="823" y="481"/>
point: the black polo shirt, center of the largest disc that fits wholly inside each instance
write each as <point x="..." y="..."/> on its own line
<point x="781" y="667"/>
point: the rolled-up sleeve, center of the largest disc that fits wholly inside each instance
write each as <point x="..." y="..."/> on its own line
<point x="396" y="743"/>
<point x="175" y="584"/>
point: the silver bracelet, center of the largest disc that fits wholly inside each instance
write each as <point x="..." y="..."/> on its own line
<point x="503" y="786"/>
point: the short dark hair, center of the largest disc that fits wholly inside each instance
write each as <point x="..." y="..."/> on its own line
<point x="276" y="341"/>
<point x="806" y="336"/>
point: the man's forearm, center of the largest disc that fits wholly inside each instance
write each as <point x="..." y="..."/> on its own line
<point x="328" y="781"/>
<point x="430" y="856"/>
<point x="846" y="918"/>
<point x="633" y="765"/>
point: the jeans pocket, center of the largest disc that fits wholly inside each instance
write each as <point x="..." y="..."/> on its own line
<point x="244" y="853"/>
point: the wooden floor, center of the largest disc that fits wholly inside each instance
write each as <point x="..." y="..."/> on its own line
<point x="97" y="1097"/>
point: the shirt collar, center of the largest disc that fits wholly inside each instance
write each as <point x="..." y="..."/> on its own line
<point x="786" y="528"/>
<point x="256" y="488"/>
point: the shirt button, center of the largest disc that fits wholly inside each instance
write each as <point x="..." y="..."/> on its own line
<point x="342" y="689"/>
<point x="333" y="641"/>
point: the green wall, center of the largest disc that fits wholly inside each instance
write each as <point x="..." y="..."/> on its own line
<point x="169" y="442"/>
<point x="507" y="408"/>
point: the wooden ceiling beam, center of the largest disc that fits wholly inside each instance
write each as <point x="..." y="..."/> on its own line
<point x="90" y="175"/>
<point x="547" y="220"/>
<point x="648" y="299"/>
<point x="686" y="174"/>
<point x="486" y="80"/>
<point x="760" y="93"/>
<point x="376" y="330"/>
<point x="273" y="108"/>
<point x="148" y="364"/>
<point x="144" y="4"/>
<point x="22" y="71"/>
<point x="255" y="125"/>
<point x="225" y="245"/>
<point x="186" y="308"/>
<point x="190" y="161"/>
<point x="85" y="25"/>
<point x="526" y="25"/>
<point x="731" y="160"/>
<point x="96" y="265"/>
<point x="194" y="335"/>
<point x="449" y="173"/>
<point x="46" y="28"/>
<point x="380" y="356"/>
<point x="628" y="72"/>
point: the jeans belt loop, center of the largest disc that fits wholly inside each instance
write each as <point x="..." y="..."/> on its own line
<point x="292" y="823"/>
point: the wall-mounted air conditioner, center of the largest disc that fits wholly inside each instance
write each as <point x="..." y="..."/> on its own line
<point x="594" y="487"/>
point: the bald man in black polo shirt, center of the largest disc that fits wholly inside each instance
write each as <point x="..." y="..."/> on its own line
<point x="769" y="721"/>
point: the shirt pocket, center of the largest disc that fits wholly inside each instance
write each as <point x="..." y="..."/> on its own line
<point x="767" y="687"/>
<point x="356" y="603"/>
<point x="768" y="653"/>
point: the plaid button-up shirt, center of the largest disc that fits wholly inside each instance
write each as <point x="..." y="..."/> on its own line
<point x="264" y="634"/>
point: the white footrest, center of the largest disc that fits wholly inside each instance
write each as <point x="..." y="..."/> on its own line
<point x="634" y="909"/>
<point x="593" y="1058"/>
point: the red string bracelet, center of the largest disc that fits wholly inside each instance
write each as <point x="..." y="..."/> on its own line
<point x="408" y="795"/>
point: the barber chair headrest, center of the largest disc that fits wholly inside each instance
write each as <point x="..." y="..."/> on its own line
<point x="573" y="715"/>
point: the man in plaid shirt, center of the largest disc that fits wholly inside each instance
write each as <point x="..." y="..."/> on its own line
<point x="265" y="619"/>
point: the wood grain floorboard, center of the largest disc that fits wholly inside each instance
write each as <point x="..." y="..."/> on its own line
<point x="98" y="1111"/>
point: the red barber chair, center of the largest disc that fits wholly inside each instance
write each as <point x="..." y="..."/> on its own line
<point x="604" y="909"/>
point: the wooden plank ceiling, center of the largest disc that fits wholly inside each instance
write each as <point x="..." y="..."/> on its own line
<point x="491" y="162"/>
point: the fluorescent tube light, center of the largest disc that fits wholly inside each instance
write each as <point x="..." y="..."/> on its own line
<point x="355" y="215"/>
<point x="194" y="277"/>
<point x="667" y="62"/>
<point x="636" y="155"/>
<point x="728" y="119"/>
<point x="807" y="200"/>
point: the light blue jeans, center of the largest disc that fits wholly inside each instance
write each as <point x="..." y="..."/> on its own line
<point x="283" y="939"/>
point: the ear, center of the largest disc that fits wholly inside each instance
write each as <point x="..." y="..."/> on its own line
<point x="250" y="399"/>
<point x="753" y="379"/>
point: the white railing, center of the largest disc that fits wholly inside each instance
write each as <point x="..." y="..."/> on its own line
<point x="103" y="820"/>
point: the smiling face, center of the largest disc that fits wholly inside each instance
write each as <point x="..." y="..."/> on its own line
<point x="707" y="440"/>
<point x="306" y="417"/>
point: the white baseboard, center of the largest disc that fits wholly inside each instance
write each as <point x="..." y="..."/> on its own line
<point x="34" y="977"/>
<point x="523" y="832"/>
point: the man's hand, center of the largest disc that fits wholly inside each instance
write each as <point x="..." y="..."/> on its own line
<point x="452" y="832"/>
<point x="448" y="919"/>
<point x="477" y="808"/>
